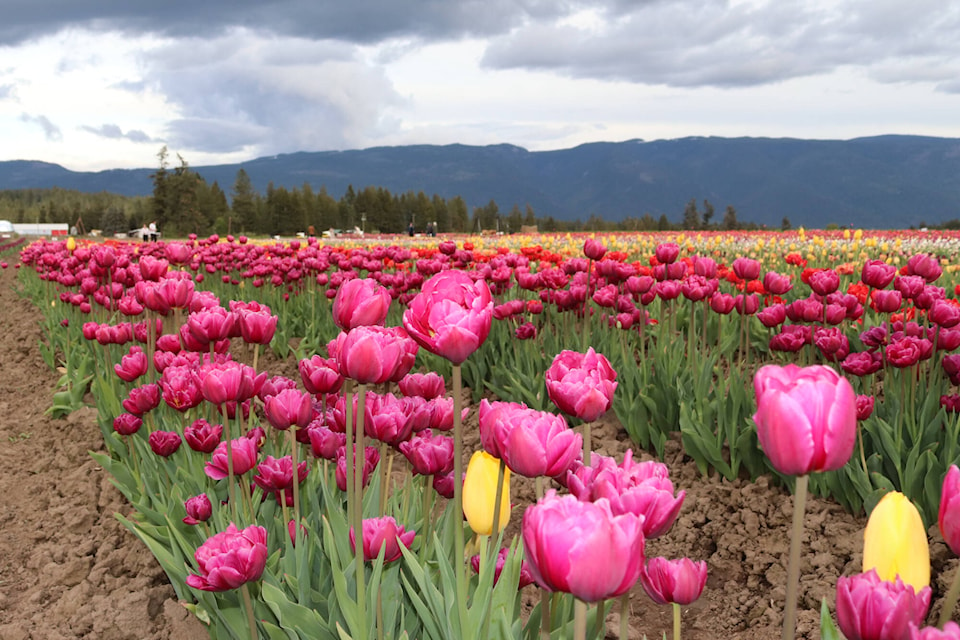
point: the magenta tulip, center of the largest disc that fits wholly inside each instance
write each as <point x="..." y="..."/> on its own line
<point x="360" y="303"/>
<point x="382" y="534"/>
<point x="667" y="252"/>
<point x="374" y="355"/>
<point x="869" y="608"/>
<point x="324" y="442"/>
<point x="142" y="399"/>
<point x="565" y="540"/>
<point x="746" y="268"/>
<point x="127" y="424"/>
<point x="244" y="452"/>
<point x="950" y="631"/>
<point x="164" y="443"/>
<point x="531" y="443"/>
<point x="877" y="274"/>
<point x="257" y="327"/>
<point x="594" y="249"/>
<point x="424" y="385"/>
<point x="230" y="559"/>
<point x="674" y="581"/>
<point x="276" y="474"/>
<point x="864" y="406"/>
<point x="428" y="454"/>
<point x="806" y="418"/>
<point x="320" y="375"/>
<point x="202" y="436"/>
<point x="581" y="384"/>
<point x="949" y="515"/>
<point x="371" y="458"/>
<point x="776" y="284"/>
<point x="886" y="301"/>
<point x="824" y="281"/>
<point x="199" y="509"/>
<point x="181" y="389"/>
<point x="451" y="316"/>
<point x="133" y="365"/>
<point x="288" y="408"/>
<point x="925" y="266"/>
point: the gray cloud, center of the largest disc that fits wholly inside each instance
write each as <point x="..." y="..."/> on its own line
<point x="356" y="21"/>
<point x="709" y="42"/>
<point x="8" y="91"/>
<point x="265" y="96"/>
<point x="116" y="133"/>
<point x="50" y="131"/>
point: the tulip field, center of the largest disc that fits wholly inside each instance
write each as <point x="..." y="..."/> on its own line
<point x="328" y="439"/>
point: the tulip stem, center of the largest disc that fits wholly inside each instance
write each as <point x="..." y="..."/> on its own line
<point x="230" y="489"/>
<point x="497" y="505"/>
<point x="296" y="481"/>
<point x="950" y="602"/>
<point x="599" y="620"/>
<point x="793" y="568"/>
<point x="625" y="616"/>
<point x="248" y="605"/>
<point x="863" y="458"/>
<point x="545" y="622"/>
<point x="579" y="619"/>
<point x="358" y="467"/>
<point x="350" y="449"/>
<point x="676" y="621"/>
<point x="460" y="574"/>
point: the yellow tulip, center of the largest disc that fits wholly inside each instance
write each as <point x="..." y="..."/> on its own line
<point x="895" y="542"/>
<point x="480" y="491"/>
<point x="71" y="244"/>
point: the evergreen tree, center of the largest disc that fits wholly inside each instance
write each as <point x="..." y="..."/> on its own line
<point x="243" y="202"/>
<point x="730" y="219"/>
<point x="707" y="213"/>
<point x="785" y="224"/>
<point x="459" y="219"/>
<point x="691" y="217"/>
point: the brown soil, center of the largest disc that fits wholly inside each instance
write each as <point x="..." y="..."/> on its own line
<point x="69" y="569"/>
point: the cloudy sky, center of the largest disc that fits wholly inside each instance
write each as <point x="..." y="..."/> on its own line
<point x="99" y="84"/>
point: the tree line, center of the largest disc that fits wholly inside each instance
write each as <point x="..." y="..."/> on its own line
<point x="183" y="203"/>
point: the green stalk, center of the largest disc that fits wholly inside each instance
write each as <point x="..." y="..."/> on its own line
<point x="950" y="602"/>
<point x="676" y="621"/>
<point x="350" y="450"/>
<point x="358" y="510"/>
<point x="460" y="573"/>
<point x="579" y="619"/>
<point x="248" y="605"/>
<point x="296" y="477"/>
<point x="545" y="622"/>
<point x="625" y="616"/>
<point x="230" y="489"/>
<point x="793" y="568"/>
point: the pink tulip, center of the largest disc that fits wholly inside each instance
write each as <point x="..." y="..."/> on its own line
<point x="886" y="301"/>
<point x="951" y="631"/>
<point x="832" y="343"/>
<point x="674" y="581"/>
<point x="176" y="292"/>
<point x="945" y="314"/>
<point x="212" y="325"/>
<point x="864" y="407"/>
<point x="642" y="489"/>
<point x="869" y="608"/>
<point x="276" y="474"/>
<point x="202" y="436"/>
<point x="359" y="303"/>
<point x="229" y="382"/>
<point x="877" y="274"/>
<point x="374" y="355"/>
<point x="389" y="421"/>
<point x="199" y="509"/>
<point x="772" y="316"/>
<point x="142" y="399"/>
<point x="324" y="442"/>
<point x="181" y="390"/>
<point x="746" y="268"/>
<point x="424" y="385"/>
<point x="776" y="284"/>
<point x="133" y="365"/>
<point x="371" y="458"/>
<point x="244" y="452"/>
<point x="861" y="364"/>
<point x="451" y="316"/>
<point x="320" y="375"/>
<point x="428" y="454"/>
<point x="722" y="303"/>
<point x="906" y="352"/>
<point x="526" y="577"/>
<point x="127" y="424"/>
<point x="565" y="540"/>
<point x="925" y="266"/>
<point x="273" y="386"/>
<point x="382" y="534"/>
<point x="178" y="252"/>
<point x="806" y="418"/>
<point x="594" y="249"/>
<point x="824" y="282"/>
<point x="581" y="384"/>
<point x="531" y="443"/>
<point x="667" y="252"/>
<point x="949" y="515"/>
<point x="164" y="443"/>
<point x="909" y="286"/>
<point x="257" y="327"/>
<point x="289" y="407"/>
<point x="230" y="559"/>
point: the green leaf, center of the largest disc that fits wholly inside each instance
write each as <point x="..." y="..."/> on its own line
<point x="828" y="630"/>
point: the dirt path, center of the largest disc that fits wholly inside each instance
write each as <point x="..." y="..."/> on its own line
<point x="68" y="568"/>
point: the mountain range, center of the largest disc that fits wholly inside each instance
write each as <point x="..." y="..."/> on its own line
<point x="877" y="182"/>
